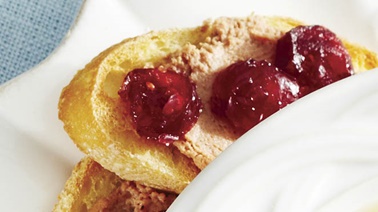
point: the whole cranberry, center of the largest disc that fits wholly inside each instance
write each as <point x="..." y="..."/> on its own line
<point x="247" y="92"/>
<point x="163" y="105"/>
<point x="314" y="56"/>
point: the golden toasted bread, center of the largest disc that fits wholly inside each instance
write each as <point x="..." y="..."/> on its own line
<point x="93" y="188"/>
<point x="95" y="118"/>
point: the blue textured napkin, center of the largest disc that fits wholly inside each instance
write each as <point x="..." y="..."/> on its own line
<point x="30" y="30"/>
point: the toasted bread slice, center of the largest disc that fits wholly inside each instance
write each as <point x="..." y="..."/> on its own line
<point x="93" y="188"/>
<point x="95" y="119"/>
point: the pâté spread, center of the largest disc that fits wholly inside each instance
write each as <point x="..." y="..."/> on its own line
<point x="247" y="48"/>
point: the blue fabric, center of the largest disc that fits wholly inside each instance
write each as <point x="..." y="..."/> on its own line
<point x="30" y="30"/>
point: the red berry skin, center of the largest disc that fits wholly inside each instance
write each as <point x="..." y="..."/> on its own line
<point x="163" y="106"/>
<point x="247" y="92"/>
<point x="314" y="56"/>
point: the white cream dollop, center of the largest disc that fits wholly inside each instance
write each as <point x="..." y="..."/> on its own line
<point x="318" y="154"/>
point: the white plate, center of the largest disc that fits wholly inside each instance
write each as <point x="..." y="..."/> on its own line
<point x="37" y="156"/>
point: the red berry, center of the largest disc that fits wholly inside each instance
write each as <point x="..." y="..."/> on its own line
<point x="314" y="56"/>
<point x="163" y="105"/>
<point x="249" y="91"/>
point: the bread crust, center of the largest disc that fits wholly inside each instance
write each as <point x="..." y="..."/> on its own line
<point x="93" y="188"/>
<point x="87" y="183"/>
